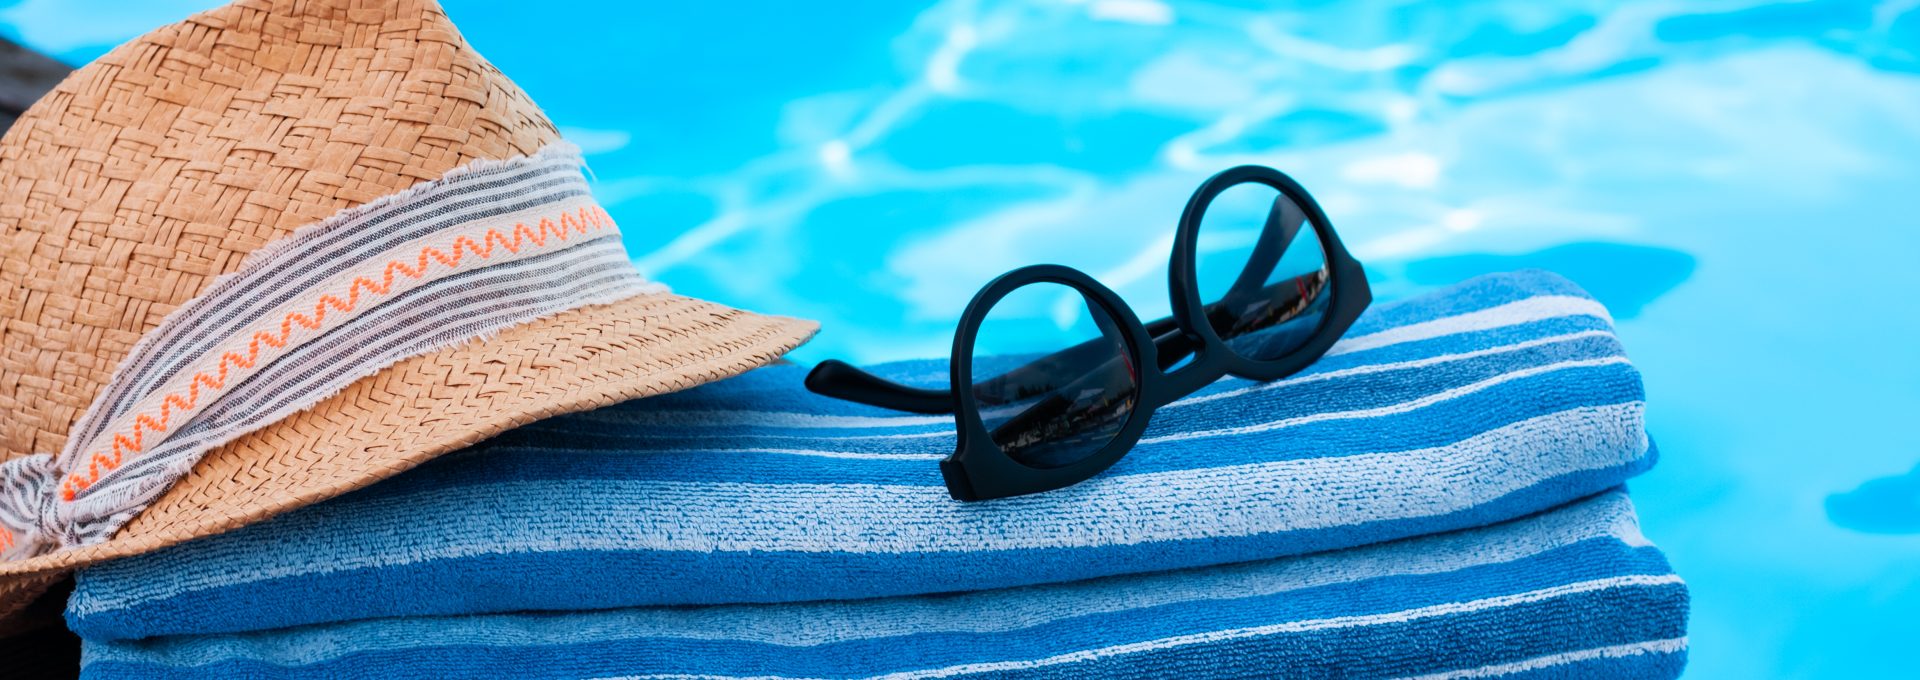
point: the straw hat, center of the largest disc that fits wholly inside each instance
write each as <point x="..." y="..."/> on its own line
<point x="153" y="190"/>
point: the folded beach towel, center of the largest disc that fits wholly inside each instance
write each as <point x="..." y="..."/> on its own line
<point x="1503" y="396"/>
<point x="1575" y="592"/>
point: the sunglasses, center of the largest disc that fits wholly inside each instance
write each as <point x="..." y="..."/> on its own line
<point x="1279" y="288"/>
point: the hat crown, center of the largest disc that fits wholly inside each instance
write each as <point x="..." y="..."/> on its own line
<point x="146" y="175"/>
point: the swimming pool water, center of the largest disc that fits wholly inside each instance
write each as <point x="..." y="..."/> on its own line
<point x="1737" y="180"/>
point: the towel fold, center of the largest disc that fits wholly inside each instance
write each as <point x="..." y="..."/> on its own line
<point x="1575" y="592"/>
<point x="1503" y="396"/>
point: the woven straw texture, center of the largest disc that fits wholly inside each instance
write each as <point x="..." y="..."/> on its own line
<point x="150" y="172"/>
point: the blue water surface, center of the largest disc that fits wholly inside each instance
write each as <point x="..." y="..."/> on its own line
<point x="1737" y="180"/>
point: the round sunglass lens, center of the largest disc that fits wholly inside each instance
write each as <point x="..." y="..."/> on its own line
<point x="1052" y="375"/>
<point x="1262" y="273"/>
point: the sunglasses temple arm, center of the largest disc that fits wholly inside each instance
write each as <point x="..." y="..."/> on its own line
<point x="1283" y="224"/>
<point x="840" y="380"/>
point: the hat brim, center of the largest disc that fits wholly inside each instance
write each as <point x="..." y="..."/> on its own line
<point x="433" y="404"/>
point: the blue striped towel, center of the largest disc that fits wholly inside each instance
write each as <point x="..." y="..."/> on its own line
<point x="1503" y="396"/>
<point x="1575" y="592"/>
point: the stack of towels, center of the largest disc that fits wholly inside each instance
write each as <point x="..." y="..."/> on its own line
<point x="1438" y="497"/>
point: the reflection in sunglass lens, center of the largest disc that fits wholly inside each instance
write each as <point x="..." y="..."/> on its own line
<point x="1261" y="271"/>
<point x="1052" y="376"/>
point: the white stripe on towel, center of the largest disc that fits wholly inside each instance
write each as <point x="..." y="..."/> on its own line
<point x="1392" y="409"/>
<point x="1367" y="369"/>
<point x="1309" y="625"/>
<point x="1510" y="314"/>
<point x="1304" y="626"/>
<point x="1667" y="646"/>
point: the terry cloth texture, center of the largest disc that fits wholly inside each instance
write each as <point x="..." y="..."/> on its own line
<point x="1503" y="396"/>
<point x="1575" y="592"/>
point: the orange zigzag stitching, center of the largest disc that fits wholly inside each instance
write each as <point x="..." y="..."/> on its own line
<point x="591" y="218"/>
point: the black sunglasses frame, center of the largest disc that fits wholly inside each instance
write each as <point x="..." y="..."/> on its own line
<point x="979" y="469"/>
